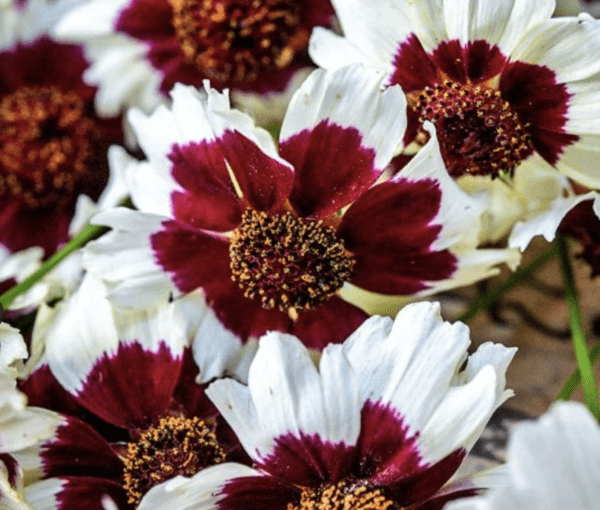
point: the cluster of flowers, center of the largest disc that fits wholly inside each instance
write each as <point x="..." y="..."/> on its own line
<point x="222" y="345"/>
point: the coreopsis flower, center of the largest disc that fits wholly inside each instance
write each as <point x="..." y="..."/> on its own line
<point x="53" y="148"/>
<point x="114" y="404"/>
<point x="382" y="423"/>
<point x="553" y="464"/>
<point x="271" y="236"/>
<point x="508" y="88"/>
<point x="141" y="48"/>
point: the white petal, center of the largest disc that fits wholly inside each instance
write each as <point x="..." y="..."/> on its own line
<point x="287" y="395"/>
<point x="411" y="367"/>
<point x="26" y="428"/>
<point x="415" y="367"/>
<point x="216" y="350"/>
<point x="201" y="492"/>
<point x="123" y="75"/>
<point x="499" y="23"/>
<point x="124" y="258"/>
<point x="496" y="355"/>
<point x="79" y="338"/>
<point x="558" y="458"/>
<point x="460" y="418"/>
<point x="351" y="97"/>
<point x="331" y="51"/>
<point x="579" y="161"/>
<point x="90" y="19"/>
<point x="375" y="27"/>
<point x="44" y="495"/>
<point x="554" y="463"/>
<point x="583" y="116"/>
<point x="12" y="349"/>
<point x="547" y="222"/>
<point x="475" y="265"/>
<point x="533" y="188"/>
<point x="568" y="46"/>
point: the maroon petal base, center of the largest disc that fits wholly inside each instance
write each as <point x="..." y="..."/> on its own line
<point x="425" y="483"/>
<point x="189" y="396"/>
<point x="90" y="494"/>
<point x="265" y="183"/>
<point x="132" y="387"/>
<point x="243" y="316"/>
<point x="533" y="91"/>
<point x="22" y="227"/>
<point x="43" y="390"/>
<point x="386" y="451"/>
<point x="209" y="201"/>
<point x="194" y="259"/>
<point x="78" y="450"/>
<point x="396" y="257"/>
<point x="333" y="168"/>
<point x="330" y="323"/>
<point x="257" y="493"/>
<point x="308" y="460"/>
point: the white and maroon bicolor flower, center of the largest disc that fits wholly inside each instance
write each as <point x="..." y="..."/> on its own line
<point x="53" y="148"/>
<point x="382" y="423"/>
<point x="553" y="464"/>
<point x="503" y="83"/>
<point x="118" y="403"/>
<point x="271" y="236"/>
<point x="141" y="48"/>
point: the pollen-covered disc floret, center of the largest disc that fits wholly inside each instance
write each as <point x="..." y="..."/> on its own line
<point x="478" y="131"/>
<point x="288" y="262"/>
<point x="343" y="496"/>
<point x="175" y="446"/>
<point x="44" y="145"/>
<point x="237" y="40"/>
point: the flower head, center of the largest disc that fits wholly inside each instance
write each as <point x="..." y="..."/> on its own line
<point x="383" y="423"/>
<point x="141" y="48"/>
<point x="553" y="463"/>
<point x="508" y="88"/>
<point x="117" y="407"/>
<point x="501" y="82"/>
<point x="52" y="145"/>
<point x="273" y="236"/>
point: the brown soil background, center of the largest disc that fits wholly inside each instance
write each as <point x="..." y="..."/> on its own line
<point x="534" y="317"/>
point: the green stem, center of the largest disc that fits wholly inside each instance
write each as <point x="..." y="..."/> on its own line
<point x="575" y="379"/>
<point x="590" y="391"/>
<point x="87" y="234"/>
<point x="488" y="299"/>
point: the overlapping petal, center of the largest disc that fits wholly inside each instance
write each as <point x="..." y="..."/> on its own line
<point x="121" y="365"/>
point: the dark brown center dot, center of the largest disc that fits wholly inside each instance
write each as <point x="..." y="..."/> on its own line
<point x="175" y="446"/>
<point x="45" y="145"/>
<point x="478" y="131"/>
<point x="287" y="262"/>
<point x="342" y="496"/>
<point x="237" y="40"/>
